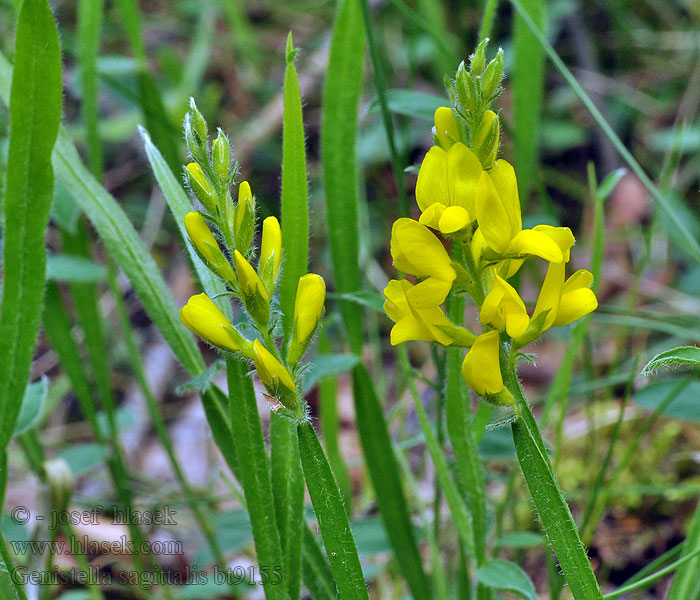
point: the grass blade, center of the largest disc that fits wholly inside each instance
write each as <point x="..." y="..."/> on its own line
<point x="528" y="87"/>
<point x="341" y="96"/>
<point x="331" y="516"/>
<point x="89" y="32"/>
<point x="295" y="201"/>
<point x="384" y="473"/>
<point x="254" y="472"/>
<point x="10" y="589"/>
<point x="35" y="112"/>
<point x="461" y="516"/>
<point x="664" y="203"/>
<point x="685" y="583"/>
<point x="180" y="205"/>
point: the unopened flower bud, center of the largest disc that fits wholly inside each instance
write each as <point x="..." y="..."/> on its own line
<point x="221" y="158"/>
<point x="201" y="186"/>
<point x="274" y="376"/>
<point x="464" y="88"/>
<point x="254" y="295"/>
<point x="60" y="479"/>
<point x="478" y="59"/>
<point x="199" y="125"/>
<point x="244" y="223"/>
<point x="207" y="247"/>
<point x="308" y="308"/>
<point x="203" y="317"/>
<point x="485" y="145"/>
<point x="491" y="81"/>
<point x="270" y="253"/>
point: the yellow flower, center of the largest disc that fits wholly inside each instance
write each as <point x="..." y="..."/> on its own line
<point x="274" y="376"/>
<point x="425" y="324"/>
<point x="203" y="317"/>
<point x="481" y="368"/>
<point x="207" y="247"/>
<point x="417" y="251"/>
<point x="445" y="130"/>
<point x="201" y="186"/>
<point x="308" y="305"/>
<point x="255" y="297"/>
<point x="270" y="252"/>
<point x="500" y="221"/>
<point x="504" y="309"/>
<point x="561" y="301"/>
<point x="447" y="182"/>
<point x="244" y="219"/>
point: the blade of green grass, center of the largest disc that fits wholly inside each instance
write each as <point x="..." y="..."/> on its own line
<point x="180" y="205"/>
<point x="331" y="516"/>
<point x="341" y="96"/>
<point x="663" y="202"/>
<point x="330" y="424"/>
<point x="487" y="19"/>
<point x="461" y="516"/>
<point x="685" y="584"/>
<point x="652" y="578"/>
<point x="295" y="201"/>
<point x="384" y="473"/>
<point x="528" y="87"/>
<point x="380" y="85"/>
<point x="35" y="112"/>
<point x="89" y="33"/>
<point x="254" y="472"/>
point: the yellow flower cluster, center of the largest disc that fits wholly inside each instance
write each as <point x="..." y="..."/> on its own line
<point x="472" y="200"/>
<point x="228" y="255"/>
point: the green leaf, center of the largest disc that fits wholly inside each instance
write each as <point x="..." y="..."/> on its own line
<point x="84" y="457"/>
<point x="505" y="575"/>
<point x="521" y="539"/>
<point x="341" y="96"/>
<point x="363" y="298"/>
<point x="254" y="471"/>
<point x="676" y="358"/>
<point x="75" y="269"/>
<point x="295" y="202"/>
<point x="35" y="112"/>
<point x="288" y="490"/>
<point x="685" y="405"/>
<point x="384" y="474"/>
<point x="330" y="513"/>
<point x="318" y="576"/>
<point x="201" y="382"/>
<point x="32" y="406"/>
<point x="419" y="105"/>
<point x="179" y="204"/>
<point x="528" y="87"/>
<point x="325" y="365"/>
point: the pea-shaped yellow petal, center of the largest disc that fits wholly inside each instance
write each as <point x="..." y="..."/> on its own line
<point x="270" y="371"/>
<point x="416" y="250"/>
<point x="206" y="245"/>
<point x="481" y="368"/>
<point x="446" y="127"/>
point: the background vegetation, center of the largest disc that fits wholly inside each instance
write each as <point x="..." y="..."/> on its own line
<point x="111" y="398"/>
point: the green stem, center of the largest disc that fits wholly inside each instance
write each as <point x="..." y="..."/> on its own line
<point x="559" y="525"/>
